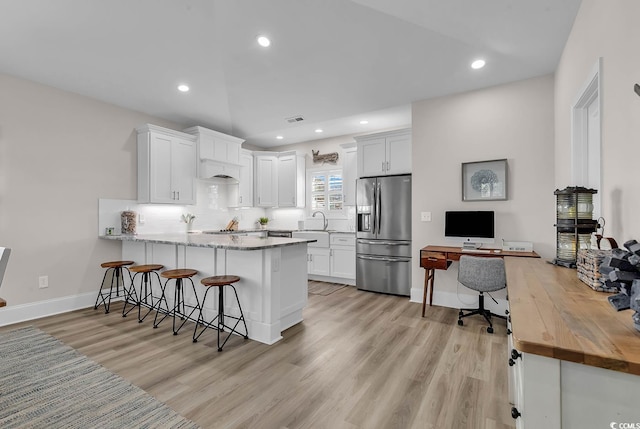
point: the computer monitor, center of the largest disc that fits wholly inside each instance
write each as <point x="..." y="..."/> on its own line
<point x="470" y="228"/>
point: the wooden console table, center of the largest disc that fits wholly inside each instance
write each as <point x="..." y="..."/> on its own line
<point x="434" y="258"/>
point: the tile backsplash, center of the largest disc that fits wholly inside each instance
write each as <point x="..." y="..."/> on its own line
<point x="211" y="213"/>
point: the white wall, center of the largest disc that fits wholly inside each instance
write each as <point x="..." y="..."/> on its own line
<point x="607" y="29"/>
<point x="59" y="153"/>
<point x="513" y="121"/>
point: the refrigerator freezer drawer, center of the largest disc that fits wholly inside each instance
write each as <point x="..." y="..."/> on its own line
<point x="382" y="274"/>
<point x="366" y="246"/>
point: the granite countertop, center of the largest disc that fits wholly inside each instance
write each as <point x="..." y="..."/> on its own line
<point x="215" y="241"/>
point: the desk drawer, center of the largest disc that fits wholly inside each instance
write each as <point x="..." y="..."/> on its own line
<point x="434" y="260"/>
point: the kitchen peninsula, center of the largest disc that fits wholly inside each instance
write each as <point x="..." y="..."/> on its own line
<point x="273" y="272"/>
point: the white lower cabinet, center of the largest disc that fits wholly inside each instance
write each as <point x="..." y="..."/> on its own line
<point x="343" y="263"/>
<point x="318" y="261"/>
<point x="343" y="256"/>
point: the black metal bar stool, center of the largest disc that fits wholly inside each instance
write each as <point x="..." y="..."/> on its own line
<point x="179" y="306"/>
<point x="117" y="277"/>
<point x="220" y="282"/>
<point x="145" y="297"/>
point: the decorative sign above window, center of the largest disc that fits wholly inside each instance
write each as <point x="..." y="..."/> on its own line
<point x="327" y="157"/>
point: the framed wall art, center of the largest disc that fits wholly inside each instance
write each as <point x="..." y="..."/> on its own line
<point x="484" y="180"/>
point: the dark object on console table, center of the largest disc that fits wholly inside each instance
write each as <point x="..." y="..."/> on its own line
<point x="574" y="223"/>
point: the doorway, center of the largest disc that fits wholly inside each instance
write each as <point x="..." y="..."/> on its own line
<point x="586" y="138"/>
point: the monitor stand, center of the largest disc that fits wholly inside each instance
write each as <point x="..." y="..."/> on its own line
<point x="470" y="245"/>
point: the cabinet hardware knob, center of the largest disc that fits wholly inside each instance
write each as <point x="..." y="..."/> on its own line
<point x="388" y="166"/>
<point x="509" y="331"/>
<point x="515" y="354"/>
<point x="515" y="413"/>
<point x="511" y="362"/>
<point x="506" y="312"/>
<point x="382" y="165"/>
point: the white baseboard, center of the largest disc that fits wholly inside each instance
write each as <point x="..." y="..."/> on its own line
<point x="35" y="310"/>
<point x="451" y="300"/>
<point x="330" y="279"/>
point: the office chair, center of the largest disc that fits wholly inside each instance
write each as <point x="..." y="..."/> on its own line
<point x="483" y="275"/>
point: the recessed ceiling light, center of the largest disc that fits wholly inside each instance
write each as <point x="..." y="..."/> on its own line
<point x="318" y="130"/>
<point x="364" y="122"/>
<point x="477" y="64"/>
<point x="264" y="41"/>
<point x="183" y="88"/>
<point x="279" y="137"/>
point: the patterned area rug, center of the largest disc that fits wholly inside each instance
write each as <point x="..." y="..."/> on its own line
<point x="47" y="384"/>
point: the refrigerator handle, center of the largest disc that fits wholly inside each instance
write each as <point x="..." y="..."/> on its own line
<point x="383" y="258"/>
<point x="379" y="206"/>
<point x="375" y="209"/>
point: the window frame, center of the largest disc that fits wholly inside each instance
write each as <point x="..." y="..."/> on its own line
<point x="327" y="171"/>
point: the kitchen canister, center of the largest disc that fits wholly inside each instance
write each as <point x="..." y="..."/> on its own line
<point x="128" y="220"/>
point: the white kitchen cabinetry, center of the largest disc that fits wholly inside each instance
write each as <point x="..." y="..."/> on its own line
<point x="216" y="146"/>
<point x="218" y="153"/>
<point x="384" y="153"/>
<point x="241" y="193"/>
<point x="245" y="187"/>
<point x="318" y="262"/>
<point x="265" y="179"/>
<point x="343" y="256"/>
<point x="279" y="179"/>
<point x="349" y="173"/>
<point x="332" y="257"/>
<point x="166" y="166"/>
<point x="291" y="180"/>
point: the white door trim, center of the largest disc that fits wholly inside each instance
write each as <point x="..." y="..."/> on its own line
<point x="581" y="150"/>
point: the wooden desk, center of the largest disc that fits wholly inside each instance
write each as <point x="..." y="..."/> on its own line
<point x="434" y="258"/>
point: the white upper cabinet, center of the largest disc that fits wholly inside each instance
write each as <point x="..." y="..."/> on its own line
<point x="291" y="180"/>
<point x="166" y="166"/>
<point x="349" y="173"/>
<point x="384" y="153"/>
<point x="218" y="153"/>
<point x="279" y="179"/>
<point x="245" y="187"/>
<point x="216" y="146"/>
<point x="265" y="179"/>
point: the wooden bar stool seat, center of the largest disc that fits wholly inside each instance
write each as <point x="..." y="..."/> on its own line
<point x="179" y="304"/>
<point x="117" y="276"/>
<point x="145" y="297"/>
<point x="218" y="322"/>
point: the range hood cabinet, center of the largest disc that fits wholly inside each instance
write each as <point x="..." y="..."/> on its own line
<point x="228" y="173"/>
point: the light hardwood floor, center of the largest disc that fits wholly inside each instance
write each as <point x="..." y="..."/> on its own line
<point x="359" y="360"/>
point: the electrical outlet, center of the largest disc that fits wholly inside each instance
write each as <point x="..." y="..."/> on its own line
<point x="425" y="216"/>
<point x="43" y="282"/>
<point x="141" y="218"/>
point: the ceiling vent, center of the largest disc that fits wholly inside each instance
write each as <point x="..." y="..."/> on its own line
<point x="294" y="119"/>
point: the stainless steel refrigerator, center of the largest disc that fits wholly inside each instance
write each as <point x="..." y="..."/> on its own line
<point x="383" y="238"/>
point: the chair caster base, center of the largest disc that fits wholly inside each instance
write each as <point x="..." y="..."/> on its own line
<point x="175" y="333"/>
<point x="219" y="350"/>
<point x="246" y="337"/>
<point x="490" y="330"/>
<point x="460" y="322"/>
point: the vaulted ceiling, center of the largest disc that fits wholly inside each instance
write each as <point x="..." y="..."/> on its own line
<point x="333" y="62"/>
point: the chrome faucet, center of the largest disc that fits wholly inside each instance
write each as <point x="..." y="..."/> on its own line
<point x="324" y="219"/>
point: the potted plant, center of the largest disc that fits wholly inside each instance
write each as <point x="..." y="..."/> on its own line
<point x="263" y="221"/>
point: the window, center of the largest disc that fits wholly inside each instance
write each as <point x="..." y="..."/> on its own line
<point x="326" y="191"/>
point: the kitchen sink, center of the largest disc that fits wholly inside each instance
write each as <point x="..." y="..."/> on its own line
<point x="321" y="237"/>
